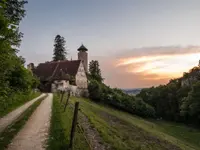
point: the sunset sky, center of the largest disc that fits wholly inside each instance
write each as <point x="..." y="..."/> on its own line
<point x="139" y="43"/>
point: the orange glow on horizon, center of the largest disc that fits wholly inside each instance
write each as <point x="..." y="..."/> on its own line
<point x="162" y="66"/>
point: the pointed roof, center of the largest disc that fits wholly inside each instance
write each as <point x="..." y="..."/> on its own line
<point x="54" y="70"/>
<point x="82" y="48"/>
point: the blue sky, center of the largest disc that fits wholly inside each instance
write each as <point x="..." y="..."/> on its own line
<point x="109" y="28"/>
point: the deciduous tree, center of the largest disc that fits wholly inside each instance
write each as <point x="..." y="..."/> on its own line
<point x="14" y="77"/>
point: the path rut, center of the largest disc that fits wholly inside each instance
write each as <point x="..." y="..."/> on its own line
<point x="34" y="134"/>
<point x="12" y="116"/>
<point x="96" y="142"/>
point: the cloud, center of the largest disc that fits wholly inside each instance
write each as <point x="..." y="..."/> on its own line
<point x="144" y="67"/>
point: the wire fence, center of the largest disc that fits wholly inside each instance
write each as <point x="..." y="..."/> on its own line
<point x="67" y="136"/>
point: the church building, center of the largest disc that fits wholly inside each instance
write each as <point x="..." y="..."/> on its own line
<point x="64" y="74"/>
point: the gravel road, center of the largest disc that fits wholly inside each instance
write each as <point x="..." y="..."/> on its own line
<point x="12" y="116"/>
<point x="35" y="132"/>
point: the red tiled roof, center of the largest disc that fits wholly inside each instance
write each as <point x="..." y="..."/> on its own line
<point x="54" y="69"/>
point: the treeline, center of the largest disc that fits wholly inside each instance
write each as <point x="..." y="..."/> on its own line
<point x="179" y="100"/>
<point x="100" y="92"/>
<point x="15" y="79"/>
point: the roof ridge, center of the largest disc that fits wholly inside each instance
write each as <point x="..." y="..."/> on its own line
<point x="50" y="70"/>
<point x="54" y="71"/>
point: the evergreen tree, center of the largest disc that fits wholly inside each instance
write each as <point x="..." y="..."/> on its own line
<point x="59" y="48"/>
<point x="95" y="72"/>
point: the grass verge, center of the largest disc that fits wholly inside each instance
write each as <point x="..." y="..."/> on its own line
<point x="8" y="134"/>
<point x="125" y="131"/>
<point x="16" y="101"/>
<point x="61" y="126"/>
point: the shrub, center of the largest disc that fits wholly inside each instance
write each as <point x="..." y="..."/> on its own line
<point x="118" y="99"/>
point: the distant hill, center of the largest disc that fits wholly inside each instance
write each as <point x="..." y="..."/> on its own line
<point x="133" y="91"/>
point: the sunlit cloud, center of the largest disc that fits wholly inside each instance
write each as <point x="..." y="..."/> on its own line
<point x="162" y="65"/>
<point x="146" y="67"/>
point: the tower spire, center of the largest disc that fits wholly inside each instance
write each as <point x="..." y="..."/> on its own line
<point x="83" y="56"/>
<point x="82" y="48"/>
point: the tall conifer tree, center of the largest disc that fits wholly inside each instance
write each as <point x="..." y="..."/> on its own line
<point x="59" y="48"/>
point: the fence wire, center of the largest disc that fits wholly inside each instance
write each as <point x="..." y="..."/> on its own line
<point x="61" y="131"/>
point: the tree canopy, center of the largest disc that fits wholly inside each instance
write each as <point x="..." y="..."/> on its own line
<point x="176" y="101"/>
<point x="14" y="77"/>
<point x="114" y="97"/>
<point x="59" y="48"/>
<point x="94" y="71"/>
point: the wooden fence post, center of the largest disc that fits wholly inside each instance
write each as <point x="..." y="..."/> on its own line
<point x="74" y="123"/>
<point x="68" y="96"/>
<point x="62" y="94"/>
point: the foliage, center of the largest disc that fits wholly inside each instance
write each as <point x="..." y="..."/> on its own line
<point x="9" y="133"/>
<point x="59" y="48"/>
<point x="100" y="92"/>
<point x="14" y="78"/>
<point x="61" y="127"/>
<point x="191" y="104"/>
<point x="95" y="90"/>
<point x="118" y="99"/>
<point x="15" y="100"/>
<point x="127" y="129"/>
<point x="94" y="71"/>
<point x="12" y="12"/>
<point x="176" y="101"/>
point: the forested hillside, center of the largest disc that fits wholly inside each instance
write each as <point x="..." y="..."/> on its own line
<point x="114" y="97"/>
<point x="179" y="100"/>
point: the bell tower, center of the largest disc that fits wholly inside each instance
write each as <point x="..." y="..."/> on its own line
<point x="83" y="56"/>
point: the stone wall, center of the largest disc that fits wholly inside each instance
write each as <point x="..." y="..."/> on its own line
<point x="60" y="85"/>
<point x="83" y="56"/>
<point x="81" y="78"/>
<point x="64" y="86"/>
<point x="73" y="89"/>
<point x="80" y="89"/>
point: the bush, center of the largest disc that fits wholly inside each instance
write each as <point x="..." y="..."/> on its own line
<point x="117" y="98"/>
<point x="95" y="90"/>
<point x="15" y="99"/>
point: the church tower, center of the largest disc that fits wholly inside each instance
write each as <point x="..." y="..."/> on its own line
<point x="83" y="56"/>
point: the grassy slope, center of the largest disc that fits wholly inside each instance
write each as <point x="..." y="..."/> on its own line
<point x="19" y="101"/>
<point x="12" y="130"/>
<point x="60" y="128"/>
<point x="189" y="136"/>
<point x="125" y="133"/>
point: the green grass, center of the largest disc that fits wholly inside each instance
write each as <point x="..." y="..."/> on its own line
<point x="125" y="131"/>
<point x="8" y="134"/>
<point x="188" y="135"/>
<point x="61" y="126"/>
<point x="16" y="101"/>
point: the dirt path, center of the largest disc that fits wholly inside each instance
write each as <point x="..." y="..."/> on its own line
<point x="92" y="135"/>
<point x="35" y="132"/>
<point x="12" y="116"/>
